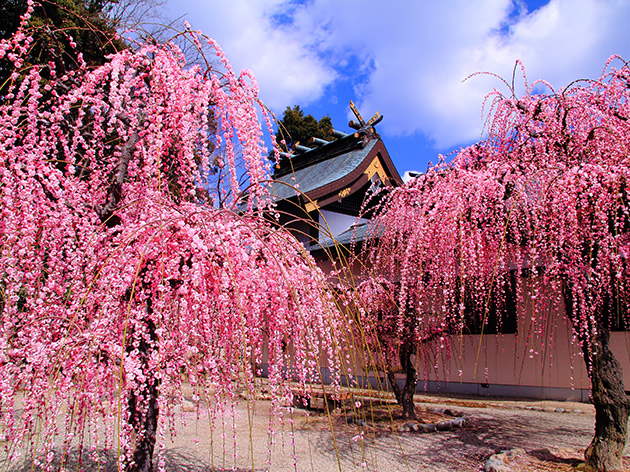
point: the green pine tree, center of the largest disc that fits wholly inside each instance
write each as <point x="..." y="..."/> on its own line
<point x="55" y="25"/>
<point x="296" y="128"/>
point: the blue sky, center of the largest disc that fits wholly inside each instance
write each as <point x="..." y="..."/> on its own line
<point x="408" y="58"/>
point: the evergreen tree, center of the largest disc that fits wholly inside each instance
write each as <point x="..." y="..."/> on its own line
<point x="60" y="30"/>
<point x="296" y="128"/>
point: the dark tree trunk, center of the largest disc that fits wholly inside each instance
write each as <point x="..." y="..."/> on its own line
<point x="144" y="407"/>
<point x="608" y="394"/>
<point x="404" y="396"/>
<point x="144" y="421"/>
<point x="611" y="406"/>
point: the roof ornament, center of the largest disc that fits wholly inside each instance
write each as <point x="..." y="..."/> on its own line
<point x="317" y="141"/>
<point x="364" y="133"/>
<point x="363" y="127"/>
<point x="298" y="148"/>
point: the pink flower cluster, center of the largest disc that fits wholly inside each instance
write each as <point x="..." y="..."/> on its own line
<point x="117" y="270"/>
<point x="546" y="195"/>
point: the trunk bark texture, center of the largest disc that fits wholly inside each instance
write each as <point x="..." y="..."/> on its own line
<point x="608" y="394"/>
<point x="144" y="421"/>
<point x="611" y="407"/>
<point x="144" y="406"/>
<point x="404" y="396"/>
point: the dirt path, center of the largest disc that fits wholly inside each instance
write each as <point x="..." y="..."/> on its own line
<point x="553" y="441"/>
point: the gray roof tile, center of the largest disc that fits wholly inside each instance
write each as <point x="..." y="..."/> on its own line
<point x="320" y="173"/>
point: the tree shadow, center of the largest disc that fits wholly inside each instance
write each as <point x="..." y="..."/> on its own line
<point x="545" y="455"/>
<point x="107" y="461"/>
<point x="487" y="432"/>
<point x="74" y="459"/>
<point x="462" y="449"/>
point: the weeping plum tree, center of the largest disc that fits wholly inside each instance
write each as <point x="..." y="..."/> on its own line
<point x="120" y="278"/>
<point x="394" y="335"/>
<point x="415" y="293"/>
<point x="546" y="195"/>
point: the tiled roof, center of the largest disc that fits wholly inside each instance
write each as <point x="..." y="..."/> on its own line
<point x="323" y="171"/>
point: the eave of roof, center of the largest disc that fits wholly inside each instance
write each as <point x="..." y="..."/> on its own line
<point x="328" y="172"/>
<point x="356" y="234"/>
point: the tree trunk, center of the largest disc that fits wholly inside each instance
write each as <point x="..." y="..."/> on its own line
<point x="611" y="406"/>
<point x="404" y="396"/>
<point x="143" y="405"/>
<point x="144" y="419"/>
<point x="608" y="394"/>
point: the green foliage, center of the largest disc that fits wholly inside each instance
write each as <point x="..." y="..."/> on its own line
<point x="54" y="25"/>
<point x="296" y="128"/>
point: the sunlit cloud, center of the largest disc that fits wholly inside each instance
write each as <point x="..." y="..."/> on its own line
<point x="409" y="59"/>
<point x="254" y="36"/>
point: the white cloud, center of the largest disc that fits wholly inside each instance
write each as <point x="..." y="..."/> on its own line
<point x="286" y="68"/>
<point x="413" y="55"/>
<point x="423" y="52"/>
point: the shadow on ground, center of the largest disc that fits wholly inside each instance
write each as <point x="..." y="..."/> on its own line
<point x="547" y="456"/>
<point x="108" y="462"/>
<point x="465" y="449"/>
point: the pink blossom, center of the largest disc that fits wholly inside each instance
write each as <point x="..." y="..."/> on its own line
<point x="124" y="264"/>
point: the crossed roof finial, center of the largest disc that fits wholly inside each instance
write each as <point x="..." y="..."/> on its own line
<point x="362" y="125"/>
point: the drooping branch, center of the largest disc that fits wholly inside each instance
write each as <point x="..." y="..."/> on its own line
<point x="99" y="327"/>
<point x="115" y="190"/>
<point x="546" y="196"/>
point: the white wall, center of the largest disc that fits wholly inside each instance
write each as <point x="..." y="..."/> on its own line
<point x="336" y="222"/>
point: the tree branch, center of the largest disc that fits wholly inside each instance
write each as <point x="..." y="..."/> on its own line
<point x="114" y="193"/>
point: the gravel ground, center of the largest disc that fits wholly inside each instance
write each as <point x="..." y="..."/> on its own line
<point x="553" y="441"/>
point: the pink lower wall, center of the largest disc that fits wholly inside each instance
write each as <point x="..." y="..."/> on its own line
<point x="538" y="361"/>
